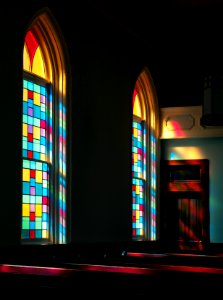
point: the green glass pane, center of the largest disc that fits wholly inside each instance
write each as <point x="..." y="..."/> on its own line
<point x="25" y="84"/>
<point x="24" y="145"/>
<point x="25" y="223"/>
<point x="24" y="119"/>
<point x="38" y="199"/>
<point x="38" y="224"/>
<point x="36" y="122"/>
<point x="25" y="198"/>
<point x="36" y="88"/>
<point x="36" y="147"/>
<point x="26" y="164"/>
<point x="38" y="166"/>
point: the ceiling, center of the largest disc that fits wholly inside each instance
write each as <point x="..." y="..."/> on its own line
<point x="184" y="38"/>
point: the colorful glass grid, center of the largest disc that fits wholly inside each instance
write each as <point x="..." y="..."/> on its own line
<point x="153" y="186"/>
<point x="35" y="196"/>
<point x="62" y="176"/>
<point x="138" y="150"/>
<point x="138" y="207"/>
<point x="35" y="200"/>
<point x="144" y="151"/>
<point x="138" y="171"/>
<point x="34" y="134"/>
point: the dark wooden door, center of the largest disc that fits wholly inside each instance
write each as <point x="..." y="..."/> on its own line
<point x="184" y="203"/>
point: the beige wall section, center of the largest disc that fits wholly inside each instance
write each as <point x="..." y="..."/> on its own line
<point x="184" y="122"/>
<point x="182" y="137"/>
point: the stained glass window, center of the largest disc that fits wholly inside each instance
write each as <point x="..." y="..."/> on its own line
<point x="144" y="159"/>
<point x="35" y="141"/>
<point x="43" y="139"/>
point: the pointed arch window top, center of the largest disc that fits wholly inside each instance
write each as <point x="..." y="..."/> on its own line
<point x="33" y="60"/>
<point x="138" y="106"/>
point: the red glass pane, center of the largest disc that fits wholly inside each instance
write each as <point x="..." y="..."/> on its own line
<point x="32" y="173"/>
<point x="31" y="44"/>
<point x="30" y="137"/>
<point x="45" y="200"/>
<point x="32" y="234"/>
<point x="30" y="154"/>
<point x="30" y="94"/>
<point x="32" y="216"/>
<point x="133" y="98"/>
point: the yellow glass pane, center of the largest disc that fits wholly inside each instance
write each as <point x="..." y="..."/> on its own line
<point x="25" y="95"/>
<point x="137" y="107"/>
<point x="38" y="176"/>
<point x="135" y="132"/>
<point x="36" y="133"/>
<point x="24" y="129"/>
<point x="137" y="190"/>
<point x="38" y="66"/>
<point x="26" y="175"/>
<point x="42" y="157"/>
<point x="44" y="234"/>
<point x="38" y="211"/>
<point x="36" y="98"/>
<point x="135" y="157"/>
<point x="25" y="210"/>
<point x="26" y="60"/>
<point x="137" y="215"/>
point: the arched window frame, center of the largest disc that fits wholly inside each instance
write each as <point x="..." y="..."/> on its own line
<point x="145" y="215"/>
<point x="50" y="40"/>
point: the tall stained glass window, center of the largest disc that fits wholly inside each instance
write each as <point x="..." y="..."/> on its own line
<point x="145" y="130"/>
<point x="44" y="217"/>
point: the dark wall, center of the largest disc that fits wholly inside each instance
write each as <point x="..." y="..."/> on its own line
<point x="105" y="62"/>
<point x="10" y="123"/>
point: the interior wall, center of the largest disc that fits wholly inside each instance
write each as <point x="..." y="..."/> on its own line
<point x="203" y="148"/>
<point x="105" y="68"/>
<point x="11" y="129"/>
